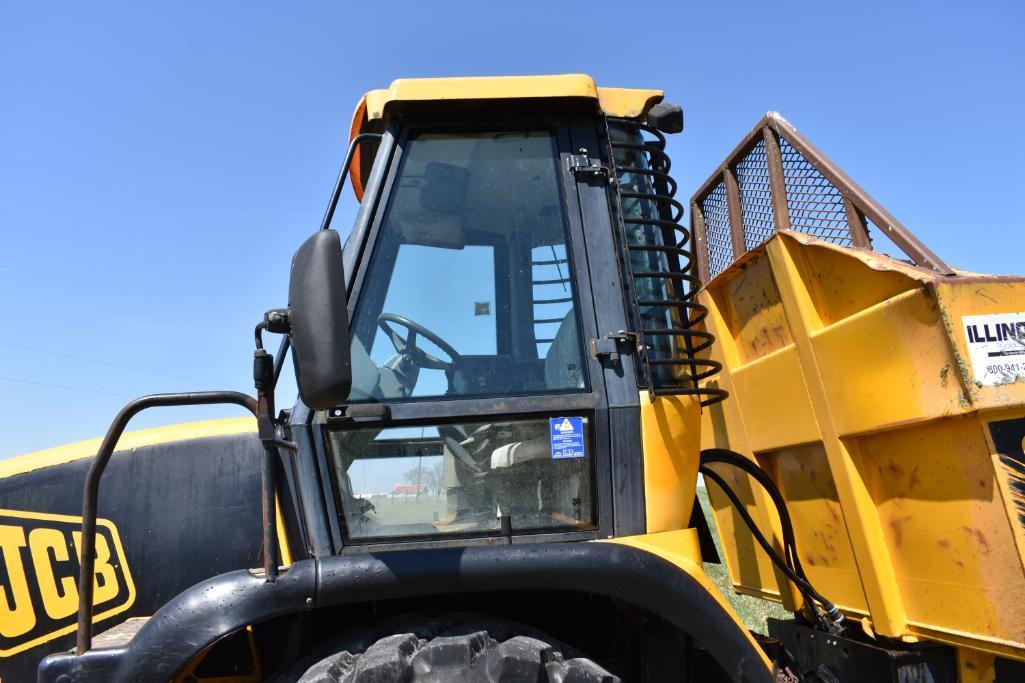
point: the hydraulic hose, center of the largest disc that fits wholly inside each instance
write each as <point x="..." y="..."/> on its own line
<point x="790" y="564"/>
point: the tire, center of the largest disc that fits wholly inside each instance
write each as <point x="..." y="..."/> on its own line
<point x="457" y="648"/>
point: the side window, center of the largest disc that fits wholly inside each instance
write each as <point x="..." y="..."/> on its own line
<point x="461" y="478"/>
<point x="469" y="290"/>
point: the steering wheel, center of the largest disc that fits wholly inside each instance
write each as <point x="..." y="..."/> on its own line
<point x="407" y="346"/>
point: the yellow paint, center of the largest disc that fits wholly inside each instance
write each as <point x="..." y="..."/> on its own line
<point x="627" y="103"/>
<point x="188" y="674"/>
<point x="806" y="482"/>
<point x="614" y="101"/>
<point x="946" y="528"/>
<point x="877" y="575"/>
<point x="671" y="441"/>
<point x="772" y="423"/>
<point x="129" y="440"/>
<point x="975" y="667"/>
<point x="60" y="599"/>
<point x="841" y="286"/>
<point x="906" y="374"/>
<point x="479" y="88"/>
<point x="682" y="549"/>
<point x="849" y="385"/>
<point x="753" y="312"/>
<point x="16" y="614"/>
<point x="284" y="549"/>
<point x="105" y="585"/>
<point x="370" y="110"/>
<point x="725" y="426"/>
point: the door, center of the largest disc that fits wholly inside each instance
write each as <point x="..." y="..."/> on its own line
<point x="477" y="408"/>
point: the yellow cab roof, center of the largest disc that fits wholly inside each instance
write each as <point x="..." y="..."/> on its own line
<point x="619" y="102"/>
<point x="624" y="102"/>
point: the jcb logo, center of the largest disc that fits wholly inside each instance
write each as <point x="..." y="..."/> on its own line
<point x="39" y="577"/>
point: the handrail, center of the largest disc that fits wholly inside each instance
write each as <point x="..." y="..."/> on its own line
<point x="776" y="179"/>
<point x="91" y="491"/>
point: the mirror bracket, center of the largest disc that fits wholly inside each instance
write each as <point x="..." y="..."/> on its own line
<point x="277" y="321"/>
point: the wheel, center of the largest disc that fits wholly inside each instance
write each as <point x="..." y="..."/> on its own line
<point x="463" y="648"/>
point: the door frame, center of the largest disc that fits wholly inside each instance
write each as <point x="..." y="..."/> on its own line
<point x="597" y="315"/>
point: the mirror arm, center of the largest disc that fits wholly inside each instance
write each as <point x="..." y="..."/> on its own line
<point x="279" y="358"/>
<point x="264" y="379"/>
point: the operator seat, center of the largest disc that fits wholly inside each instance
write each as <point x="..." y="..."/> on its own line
<point x="562" y="363"/>
<point x="372" y="381"/>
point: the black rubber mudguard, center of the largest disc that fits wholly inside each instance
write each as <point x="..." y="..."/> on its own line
<point x="214" y="608"/>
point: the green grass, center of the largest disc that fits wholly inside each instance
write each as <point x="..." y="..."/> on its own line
<point x="408" y="510"/>
<point x="753" y="611"/>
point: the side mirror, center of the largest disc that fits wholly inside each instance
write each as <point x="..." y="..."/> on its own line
<point x="319" y="317"/>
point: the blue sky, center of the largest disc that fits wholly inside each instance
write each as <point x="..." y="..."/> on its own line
<point x="159" y="163"/>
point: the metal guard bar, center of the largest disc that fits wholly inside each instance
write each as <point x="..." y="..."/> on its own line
<point x="677" y="278"/>
<point x="844" y="203"/>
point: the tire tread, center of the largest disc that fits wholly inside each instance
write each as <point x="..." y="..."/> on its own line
<point x="457" y="648"/>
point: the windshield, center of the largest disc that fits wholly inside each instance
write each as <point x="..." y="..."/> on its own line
<point x="469" y="291"/>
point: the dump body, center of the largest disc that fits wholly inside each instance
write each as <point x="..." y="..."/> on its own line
<point x="885" y="397"/>
<point x="856" y="381"/>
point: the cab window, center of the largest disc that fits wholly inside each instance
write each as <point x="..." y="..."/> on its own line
<point x="469" y="290"/>
<point x="462" y="478"/>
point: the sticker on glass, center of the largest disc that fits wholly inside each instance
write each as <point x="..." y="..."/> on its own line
<point x="567" y="435"/>
<point x="996" y="347"/>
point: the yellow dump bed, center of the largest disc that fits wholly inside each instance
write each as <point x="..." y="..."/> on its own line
<point x="887" y="400"/>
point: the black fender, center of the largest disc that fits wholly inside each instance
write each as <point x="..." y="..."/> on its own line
<point x="201" y="615"/>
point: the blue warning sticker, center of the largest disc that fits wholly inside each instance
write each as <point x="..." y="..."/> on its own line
<point x="567" y="437"/>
